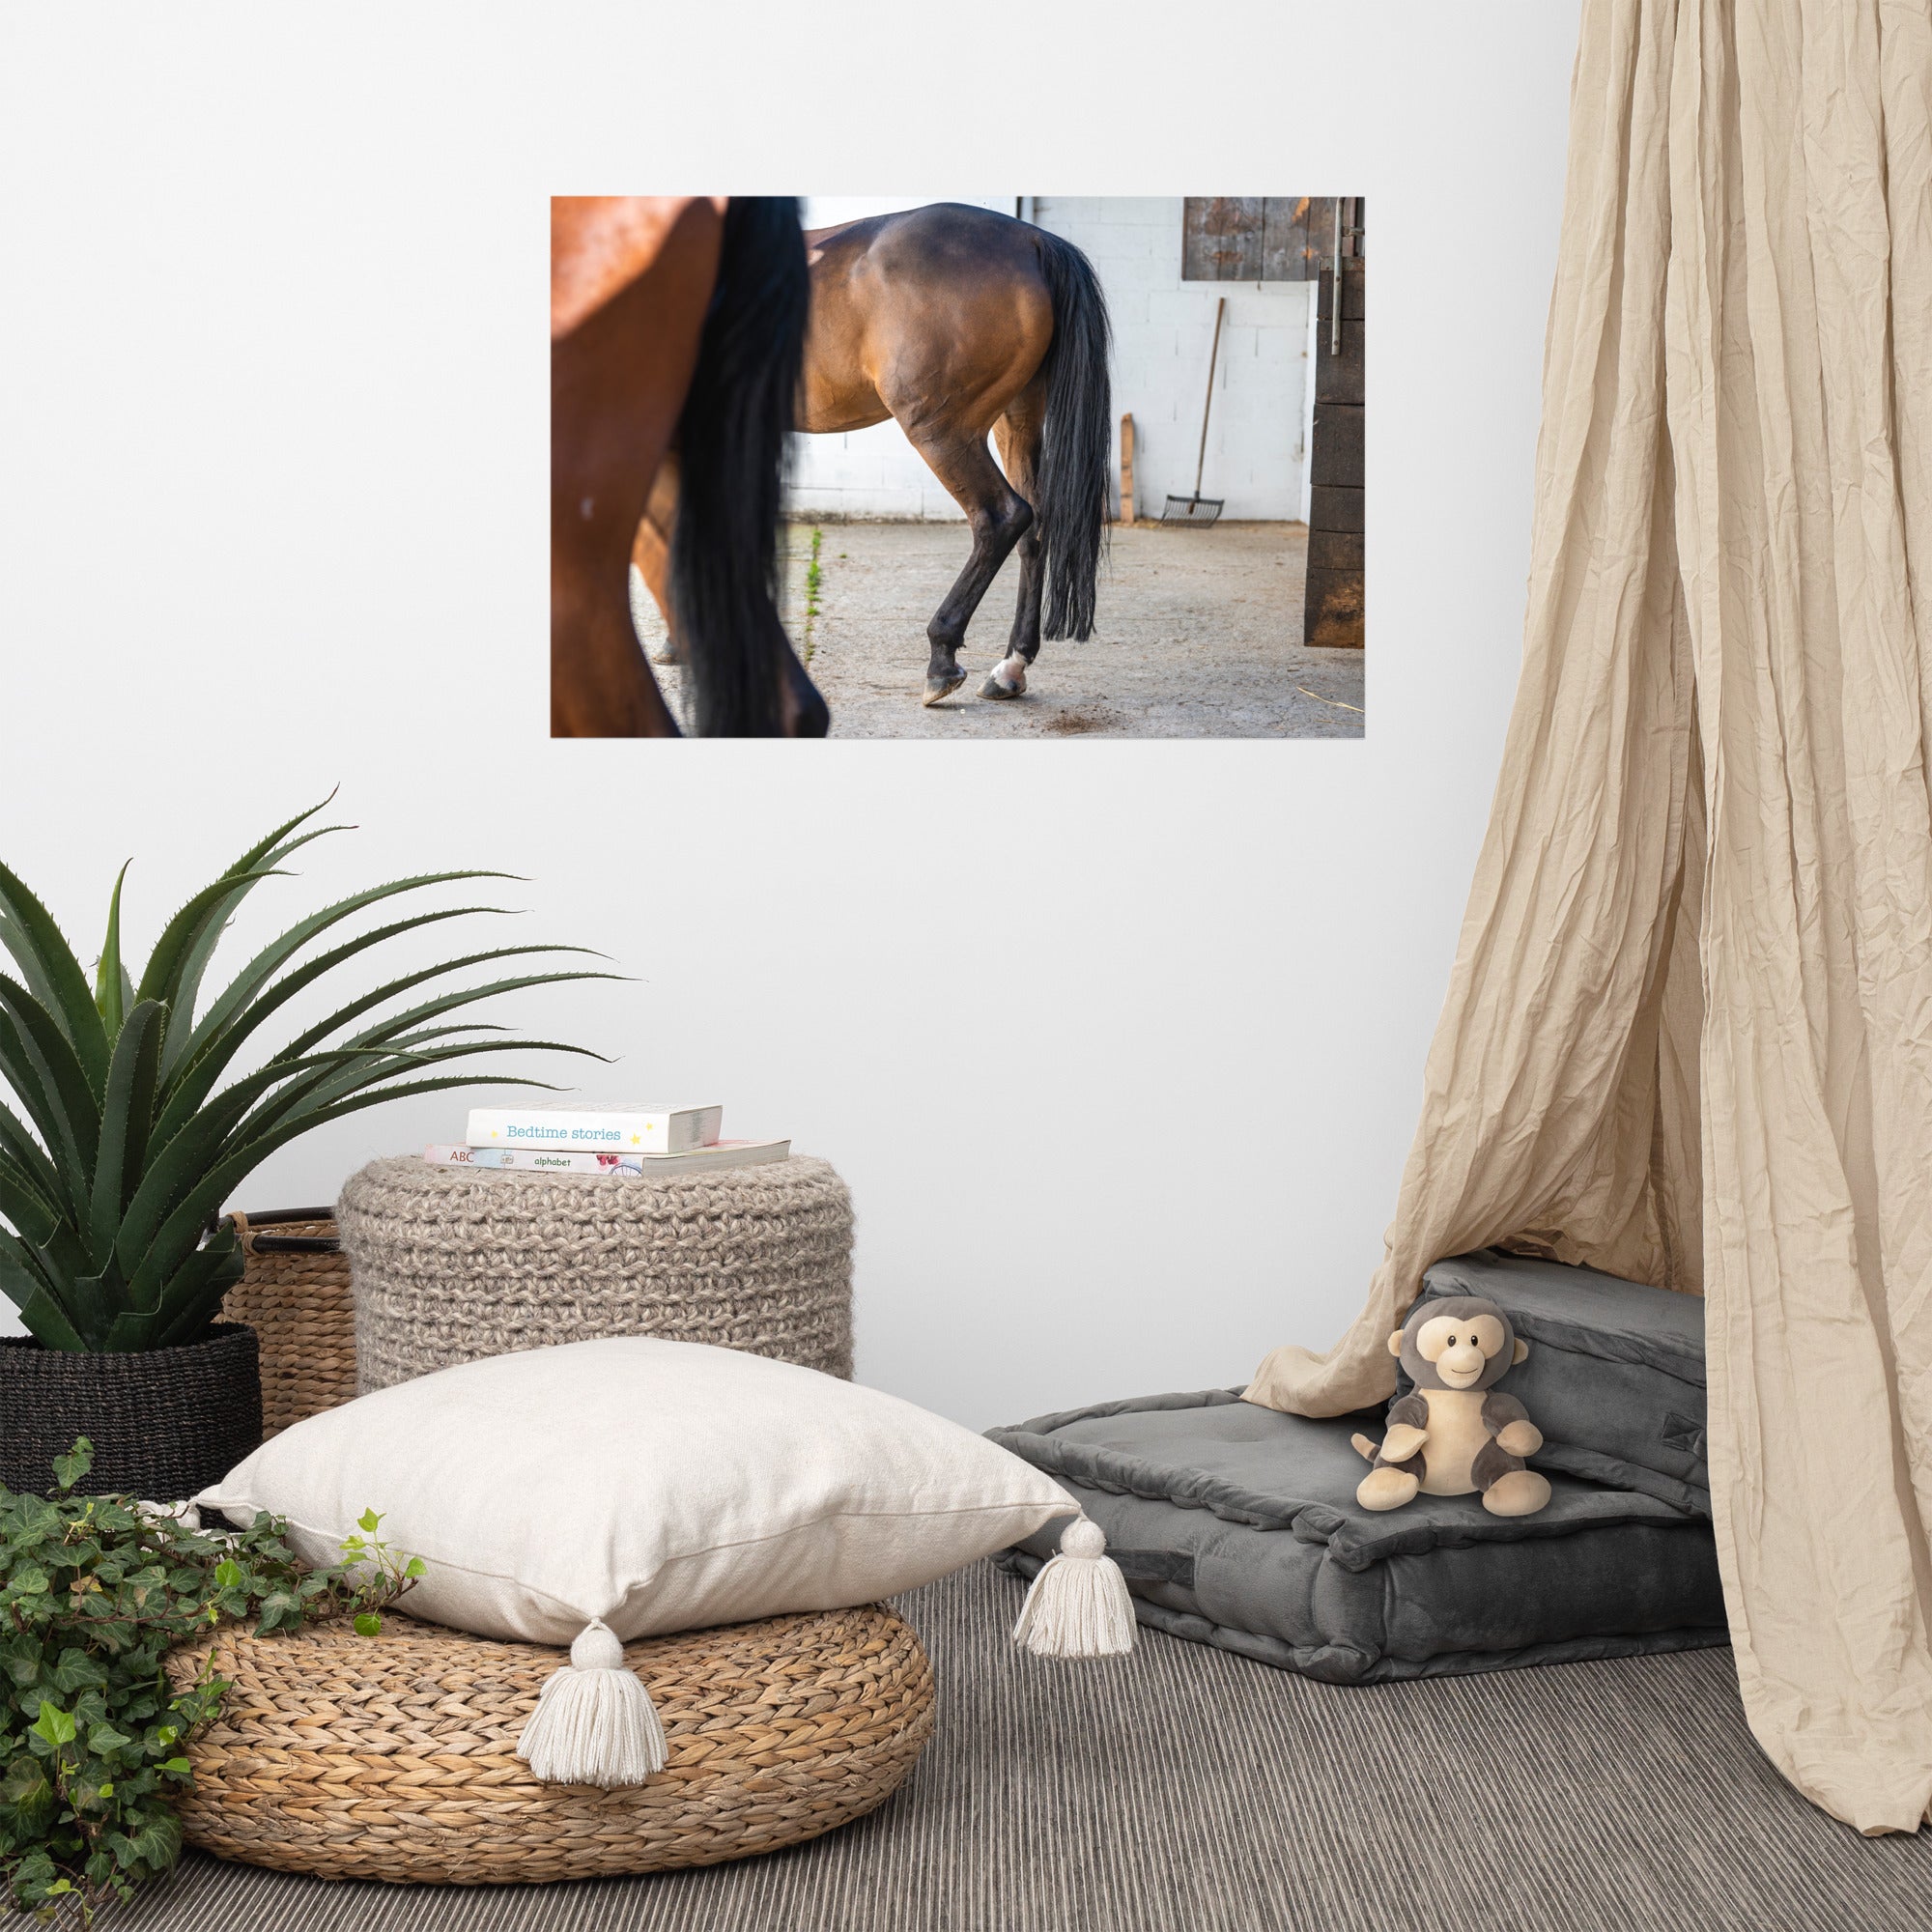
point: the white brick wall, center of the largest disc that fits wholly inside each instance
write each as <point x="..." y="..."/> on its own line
<point x="1256" y="435"/>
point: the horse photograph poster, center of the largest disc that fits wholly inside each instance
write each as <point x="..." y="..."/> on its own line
<point x="795" y="443"/>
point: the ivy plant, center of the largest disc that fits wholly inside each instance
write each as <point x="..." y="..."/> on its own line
<point x="95" y="1591"/>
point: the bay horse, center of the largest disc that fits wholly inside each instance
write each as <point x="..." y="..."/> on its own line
<point x="674" y="318"/>
<point x="956" y="322"/>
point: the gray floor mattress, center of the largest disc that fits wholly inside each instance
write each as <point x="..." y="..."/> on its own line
<point x="1238" y="1527"/>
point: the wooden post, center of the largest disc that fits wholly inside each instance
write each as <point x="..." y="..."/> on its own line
<point x="1127" y="467"/>
<point x="1334" y="595"/>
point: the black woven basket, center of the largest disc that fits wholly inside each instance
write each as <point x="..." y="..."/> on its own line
<point x="165" y="1422"/>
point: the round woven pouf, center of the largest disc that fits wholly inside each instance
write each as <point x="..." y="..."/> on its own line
<point x="394" y="1756"/>
<point x="452" y="1264"/>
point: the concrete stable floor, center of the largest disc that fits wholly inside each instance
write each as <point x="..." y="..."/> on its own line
<point x="1197" y="635"/>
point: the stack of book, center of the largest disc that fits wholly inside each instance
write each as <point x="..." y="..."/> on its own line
<point x="603" y="1140"/>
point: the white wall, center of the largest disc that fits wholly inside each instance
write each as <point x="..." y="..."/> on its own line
<point x="1118" y="1045"/>
<point x="1164" y="341"/>
<point x="1163" y="337"/>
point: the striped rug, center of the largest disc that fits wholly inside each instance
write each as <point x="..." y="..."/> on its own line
<point x="1186" y="1790"/>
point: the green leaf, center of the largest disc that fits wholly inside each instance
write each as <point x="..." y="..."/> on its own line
<point x="414" y="1568"/>
<point x="25" y="1206"/>
<point x="102" y="1739"/>
<point x="316" y="1093"/>
<point x="181" y="1158"/>
<point x="228" y="1573"/>
<point x="75" y="1671"/>
<point x="213" y="1047"/>
<point x="368" y="1521"/>
<point x="176" y="1767"/>
<point x="110" y="977"/>
<point x="67" y="1114"/>
<point x="48" y="966"/>
<point x="356" y="1067"/>
<point x="161" y="979"/>
<point x="444" y="1003"/>
<point x="29" y="1158"/>
<point x="186" y="1301"/>
<point x="200" y="939"/>
<point x="23" y="1281"/>
<point x="69" y="1468"/>
<point x="20" y="1070"/>
<point x="368" y="1624"/>
<point x="154" y="1846"/>
<point x="97" y="1304"/>
<point x="231" y="1017"/>
<point x="53" y="1725"/>
<point x="126" y="1112"/>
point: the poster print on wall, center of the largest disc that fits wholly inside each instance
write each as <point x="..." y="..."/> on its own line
<point x="1032" y="466"/>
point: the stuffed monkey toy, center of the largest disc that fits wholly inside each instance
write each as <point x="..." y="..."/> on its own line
<point x="1456" y="1432"/>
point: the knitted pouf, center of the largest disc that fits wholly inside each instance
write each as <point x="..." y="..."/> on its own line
<point x="453" y="1264"/>
<point x="394" y="1756"/>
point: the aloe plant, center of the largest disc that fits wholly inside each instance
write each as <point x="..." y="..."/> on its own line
<point x="123" y="1142"/>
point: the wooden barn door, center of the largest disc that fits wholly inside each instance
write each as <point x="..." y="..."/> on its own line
<point x="1256" y="238"/>
<point x="1333" y="602"/>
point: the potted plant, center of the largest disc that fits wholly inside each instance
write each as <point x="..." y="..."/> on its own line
<point x="94" y="1718"/>
<point x="129" y="1127"/>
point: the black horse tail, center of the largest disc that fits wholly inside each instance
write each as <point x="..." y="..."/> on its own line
<point x="1071" y="487"/>
<point x="731" y="453"/>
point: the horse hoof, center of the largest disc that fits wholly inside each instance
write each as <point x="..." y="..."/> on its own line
<point x="1006" y="679"/>
<point x="938" y="688"/>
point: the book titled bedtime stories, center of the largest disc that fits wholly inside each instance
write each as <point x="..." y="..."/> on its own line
<point x="617" y="1129"/>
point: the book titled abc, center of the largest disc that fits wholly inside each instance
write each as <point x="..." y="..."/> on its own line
<point x="556" y="1160"/>
<point x="596" y="1129"/>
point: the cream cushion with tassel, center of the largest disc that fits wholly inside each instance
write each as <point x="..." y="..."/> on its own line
<point x="600" y="1492"/>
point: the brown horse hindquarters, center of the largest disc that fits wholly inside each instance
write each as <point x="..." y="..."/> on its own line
<point x="941" y="318"/>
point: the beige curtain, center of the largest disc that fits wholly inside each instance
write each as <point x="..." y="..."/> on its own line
<point x="1688" y="1032"/>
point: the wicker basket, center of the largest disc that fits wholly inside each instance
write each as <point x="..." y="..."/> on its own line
<point x="394" y="1756"/>
<point x="296" y="1296"/>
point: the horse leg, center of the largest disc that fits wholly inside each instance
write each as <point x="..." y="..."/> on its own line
<point x="997" y="515"/>
<point x="650" y="559"/>
<point x="1018" y="435"/>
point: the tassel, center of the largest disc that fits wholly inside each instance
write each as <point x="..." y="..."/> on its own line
<point x="1078" y="1605"/>
<point x="594" y="1723"/>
